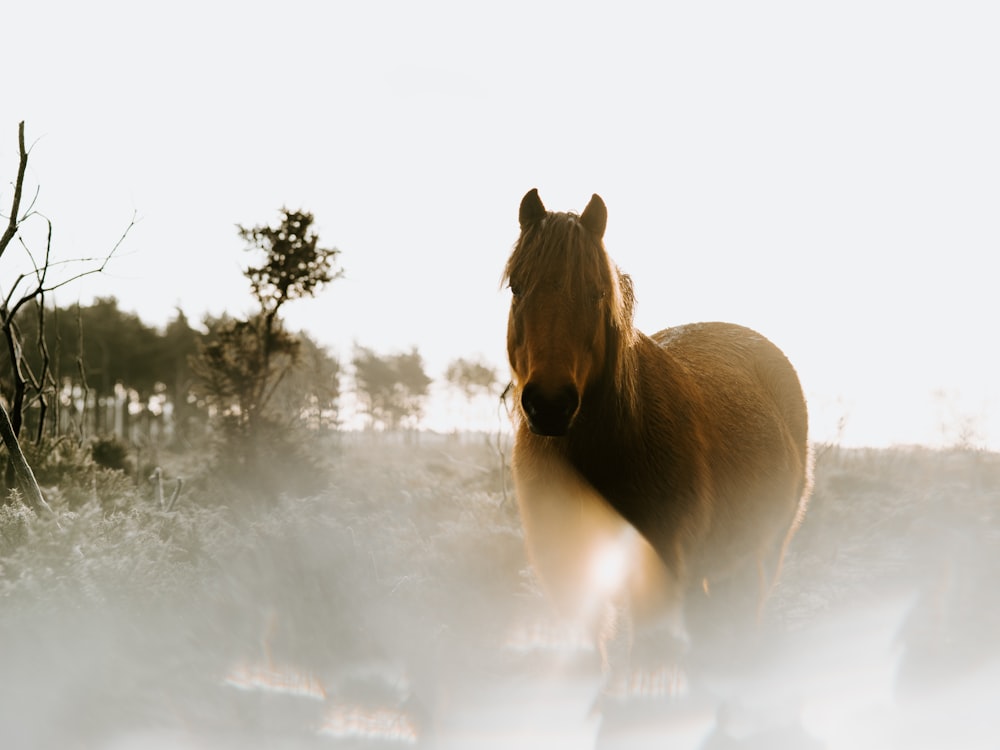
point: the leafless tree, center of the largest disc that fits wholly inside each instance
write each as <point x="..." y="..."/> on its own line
<point x="31" y="288"/>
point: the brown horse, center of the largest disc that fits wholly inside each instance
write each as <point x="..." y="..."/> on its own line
<point x="648" y="469"/>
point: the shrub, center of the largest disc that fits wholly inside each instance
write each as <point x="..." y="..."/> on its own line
<point x="111" y="453"/>
<point x="272" y="461"/>
<point x="70" y="476"/>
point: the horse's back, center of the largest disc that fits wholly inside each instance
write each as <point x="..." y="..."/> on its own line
<point x="738" y="367"/>
<point x="755" y="435"/>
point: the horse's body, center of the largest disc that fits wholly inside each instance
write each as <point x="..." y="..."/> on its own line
<point x="647" y="468"/>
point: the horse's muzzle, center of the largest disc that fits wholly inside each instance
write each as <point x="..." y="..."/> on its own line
<point x="549" y="414"/>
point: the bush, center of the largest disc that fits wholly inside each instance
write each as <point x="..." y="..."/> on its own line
<point x="111" y="453"/>
<point x="70" y="476"/>
<point x="274" y="461"/>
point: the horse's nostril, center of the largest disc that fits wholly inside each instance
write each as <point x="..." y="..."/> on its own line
<point x="549" y="413"/>
<point x="528" y="396"/>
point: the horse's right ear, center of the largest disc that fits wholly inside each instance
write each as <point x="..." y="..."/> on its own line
<point x="595" y="216"/>
<point x="532" y="211"/>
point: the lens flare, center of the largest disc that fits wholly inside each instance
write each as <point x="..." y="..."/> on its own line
<point x="610" y="563"/>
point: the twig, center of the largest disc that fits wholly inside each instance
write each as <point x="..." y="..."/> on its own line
<point x="45" y="373"/>
<point x="12" y="221"/>
<point x="40" y="273"/>
<point x="177" y="494"/>
<point x="157" y="479"/>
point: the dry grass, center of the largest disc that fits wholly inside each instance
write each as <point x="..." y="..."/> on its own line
<point x="397" y="586"/>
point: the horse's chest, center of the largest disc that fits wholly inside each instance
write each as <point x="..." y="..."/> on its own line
<point x="582" y="547"/>
<point x="663" y="500"/>
<point x="621" y="484"/>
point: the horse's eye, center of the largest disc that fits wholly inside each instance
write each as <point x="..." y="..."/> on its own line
<point x="514" y="289"/>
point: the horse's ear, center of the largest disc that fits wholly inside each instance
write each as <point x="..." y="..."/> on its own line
<point x="595" y="217"/>
<point x="532" y="210"/>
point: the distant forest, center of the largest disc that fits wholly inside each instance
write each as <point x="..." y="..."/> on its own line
<point x="113" y="374"/>
<point x="95" y="378"/>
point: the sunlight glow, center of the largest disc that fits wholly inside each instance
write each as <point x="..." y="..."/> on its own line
<point x="663" y="682"/>
<point x="548" y="636"/>
<point x="276" y="680"/>
<point x="609" y="566"/>
<point x="343" y="722"/>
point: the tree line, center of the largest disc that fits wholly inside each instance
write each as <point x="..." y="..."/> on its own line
<point x="249" y="383"/>
<point x="99" y="353"/>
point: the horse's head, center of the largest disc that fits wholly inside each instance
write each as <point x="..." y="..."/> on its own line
<point x="570" y="315"/>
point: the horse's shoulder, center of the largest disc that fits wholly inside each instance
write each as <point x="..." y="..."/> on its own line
<point x="719" y="347"/>
<point x="714" y="334"/>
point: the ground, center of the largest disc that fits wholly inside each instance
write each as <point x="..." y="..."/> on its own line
<point x="396" y="609"/>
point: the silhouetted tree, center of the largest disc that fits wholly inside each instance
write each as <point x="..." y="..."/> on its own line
<point x="294" y="265"/>
<point x="100" y="348"/>
<point x="28" y="385"/>
<point x="471" y="378"/>
<point x="310" y="392"/>
<point x="179" y="345"/>
<point x="28" y="358"/>
<point x="116" y="346"/>
<point x="234" y="374"/>
<point x="248" y="358"/>
<point x="476" y="381"/>
<point x="391" y="388"/>
<point x="243" y="362"/>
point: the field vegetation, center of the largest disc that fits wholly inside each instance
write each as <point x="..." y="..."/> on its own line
<point x="394" y="605"/>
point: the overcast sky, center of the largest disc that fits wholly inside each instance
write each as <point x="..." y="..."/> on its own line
<point x="828" y="173"/>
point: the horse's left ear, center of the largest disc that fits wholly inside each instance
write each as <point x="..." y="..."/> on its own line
<point x="532" y="210"/>
<point x="595" y="217"/>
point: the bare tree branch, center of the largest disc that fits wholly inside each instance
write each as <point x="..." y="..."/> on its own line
<point x="12" y="221"/>
<point x="45" y="376"/>
<point x="41" y="272"/>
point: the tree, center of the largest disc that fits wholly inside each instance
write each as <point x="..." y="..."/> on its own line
<point x="247" y="360"/>
<point x="243" y="362"/>
<point x="476" y="381"/>
<point x="31" y="287"/>
<point x="180" y="345"/>
<point x="471" y="378"/>
<point x="235" y="374"/>
<point x="310" y="393"/>
<point x="391" y="388"/>
<point x="294" y="266"/>
<point x="98" y="349"/>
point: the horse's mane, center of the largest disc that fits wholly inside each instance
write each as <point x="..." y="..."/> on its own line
<point x="623" y="342"/>
<point x="541" y="251"/>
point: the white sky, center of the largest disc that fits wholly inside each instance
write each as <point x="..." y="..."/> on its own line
<point x="826" y="173"/>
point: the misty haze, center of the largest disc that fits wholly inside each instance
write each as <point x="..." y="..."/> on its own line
<point x="268" y="443"/>
<point x="216" y="560"/>
<point x="395" y="608"/>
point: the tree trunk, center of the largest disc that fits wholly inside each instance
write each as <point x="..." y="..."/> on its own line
<point x="25" y="477"/>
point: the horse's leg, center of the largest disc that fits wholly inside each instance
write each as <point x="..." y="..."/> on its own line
<point x="615" y="640"/>
<point x="642" y="643"/>
<point x="771" y="560"/>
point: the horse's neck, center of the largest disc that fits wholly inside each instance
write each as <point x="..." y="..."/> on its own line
<point x="626" y="399"/>
<point x="624" y="434"/>
<point x="614" y="416"/>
